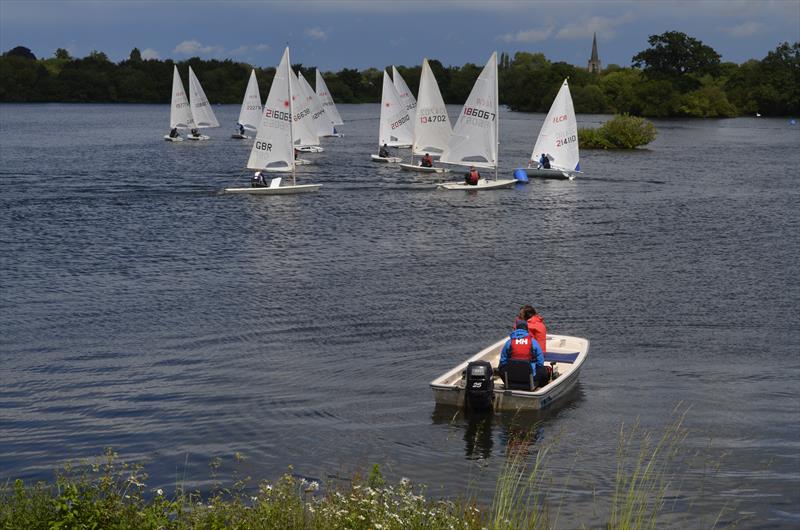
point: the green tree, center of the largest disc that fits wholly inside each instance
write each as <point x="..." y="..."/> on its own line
<point x="21" y="51"/>
<point x="61" y="53"/>
<point x="136" y="55"/>
<point x="677" y="57"/>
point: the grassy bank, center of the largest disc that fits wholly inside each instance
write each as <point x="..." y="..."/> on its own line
<point x="108" y="494"/>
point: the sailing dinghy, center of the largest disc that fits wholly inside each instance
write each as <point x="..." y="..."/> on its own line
<point x="558" y="141"/>
<point x="475" y="141"/>
<point x="406" y="97"/>
<point x="180" y="113"/>
<point x="201" y="109"/>
<point x="305" y="136"/>
<point x="273" y="147"/>
<point x="250" y="113"/>
<point x="431" y="123"/>
<point x="327" y="103"/>
<point x="395" y="122"/>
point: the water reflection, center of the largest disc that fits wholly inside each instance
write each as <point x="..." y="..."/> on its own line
<point x="514" y="432"/>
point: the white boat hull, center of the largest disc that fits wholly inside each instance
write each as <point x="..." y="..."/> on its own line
<point x="386" y="159"/>
<point x="200" y="138"/>
<point x="310" y="149"/>
<point x="171" y="139"/>
<point x="448" y="389"/>
<point x="421" y="169"/>
<point x="279" y="190"/>
<point x="559" y="174"/>
<point x="483" y="185"/>
<point x="302" y="162"/>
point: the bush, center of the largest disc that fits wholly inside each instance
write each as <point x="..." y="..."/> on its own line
<point x="620" y="132"/>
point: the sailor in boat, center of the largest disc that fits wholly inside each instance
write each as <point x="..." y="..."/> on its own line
<point x="536" y="326"/>
<point x="472" y="177"/>
<point x="258" y="180"/>
<point x="426" y="161"/>
<point x="544" y="162"/>
<point x="195" y="133"/>
<point x="241" y="128"/>
<point x="383" y="152"/>
<point x="174" y="133"/>
<point x="521" y="346"/>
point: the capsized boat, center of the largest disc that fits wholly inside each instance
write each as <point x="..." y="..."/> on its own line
<point x="273" y="146"/>
<point x="475" y="140"/>
<point x="565" y="354"/>
<point x="557" y="140"/>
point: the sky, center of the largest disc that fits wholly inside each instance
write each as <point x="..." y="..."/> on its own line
<point x="335" y="34"/>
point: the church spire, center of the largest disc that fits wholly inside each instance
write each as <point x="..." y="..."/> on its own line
<point x="594" y="62"/>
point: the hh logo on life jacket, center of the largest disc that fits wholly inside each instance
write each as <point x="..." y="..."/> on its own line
<point x="521" y="341"/>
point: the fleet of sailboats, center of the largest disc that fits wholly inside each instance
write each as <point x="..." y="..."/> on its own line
<point x="295" y="117"/>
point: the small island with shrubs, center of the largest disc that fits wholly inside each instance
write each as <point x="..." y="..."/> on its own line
<point x="620" y="132"/>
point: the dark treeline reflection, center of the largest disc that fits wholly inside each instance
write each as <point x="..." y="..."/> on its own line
<point x="676" y="76"/>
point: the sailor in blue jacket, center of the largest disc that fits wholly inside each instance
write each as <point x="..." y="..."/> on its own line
<point x="521" y="346"/>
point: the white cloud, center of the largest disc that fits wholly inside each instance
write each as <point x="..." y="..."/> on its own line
<point x="745" y="29"/>
<point x="193" y="47"/>
<point x="530" y="35"/>
<point x="605" y="27"/>
<point x="262" y="47"/>
<point x="150" y="53"/>
<point x="316" y="33"/>
<point x="239" y="51"/>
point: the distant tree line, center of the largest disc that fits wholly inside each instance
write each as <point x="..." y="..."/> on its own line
<point x="676" y="76"/>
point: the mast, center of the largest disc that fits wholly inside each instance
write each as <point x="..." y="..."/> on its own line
<point x="497" y="117"/>
<point x="291" y="110"/>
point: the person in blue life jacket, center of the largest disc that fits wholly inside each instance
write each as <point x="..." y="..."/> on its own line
<point x="521" y="346"/>
<point x="544" y="162"/>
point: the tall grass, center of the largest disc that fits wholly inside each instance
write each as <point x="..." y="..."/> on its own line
<point x="106" y="493"/>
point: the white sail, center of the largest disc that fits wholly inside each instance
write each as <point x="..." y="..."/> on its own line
<point x="395" y="124"/>
<point x="180" y="114"/>
<point x="404" y="92"/>
<point x="432" y="124"/>
<point x="201" y="109"/>
<point x="327" y="101"/>
<point x="303" y="132"/>
<point x="558" y="137"/>
<point x="250" y="114"/>
<point x="475" y="135"/>
<point x="272" y="147"/>
<point x="321" y="123"/>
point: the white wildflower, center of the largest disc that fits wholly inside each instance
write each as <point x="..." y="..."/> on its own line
<point x="159" y="492"/>
<point x="405" y="481"/>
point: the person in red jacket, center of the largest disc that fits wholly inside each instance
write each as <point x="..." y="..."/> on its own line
<point x="536" y="326"/>
<point x="472" y="177"/>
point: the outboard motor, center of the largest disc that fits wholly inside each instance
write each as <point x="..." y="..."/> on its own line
<point x="480" y="386"/>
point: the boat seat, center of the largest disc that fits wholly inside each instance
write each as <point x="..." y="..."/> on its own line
<point x="517" y="375"/>
<point x="561" y="357"/>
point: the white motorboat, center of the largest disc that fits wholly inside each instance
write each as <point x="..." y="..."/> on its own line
<point x="564" y="354"/>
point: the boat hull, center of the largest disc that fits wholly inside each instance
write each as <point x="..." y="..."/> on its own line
<point x="385" y="159"/>
<point x="238" y="136"/>
<point x="171" y="139"/>
<point x="201" y="138"/>
<point x="448" y="389"/>
<point x="279" y="190"/>
<point x="555" y="174"/>
<point x="310" y="149"/>
<point x="421" y="169"/>
<point x="483" y="185"/>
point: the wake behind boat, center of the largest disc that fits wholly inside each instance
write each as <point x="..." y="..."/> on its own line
<point x="564" y="354"/>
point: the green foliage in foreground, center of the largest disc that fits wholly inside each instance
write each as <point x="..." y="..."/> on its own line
<point x="107" y="494"/>
<point x="620" y="132"/>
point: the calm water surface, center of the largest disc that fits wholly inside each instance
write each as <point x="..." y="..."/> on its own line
<point x="142" y="310"/>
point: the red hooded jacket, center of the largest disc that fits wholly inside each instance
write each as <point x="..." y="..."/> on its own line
<point x="537" y="328"/>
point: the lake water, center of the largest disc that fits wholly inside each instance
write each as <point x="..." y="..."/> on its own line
<point x="144" y="311"/>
